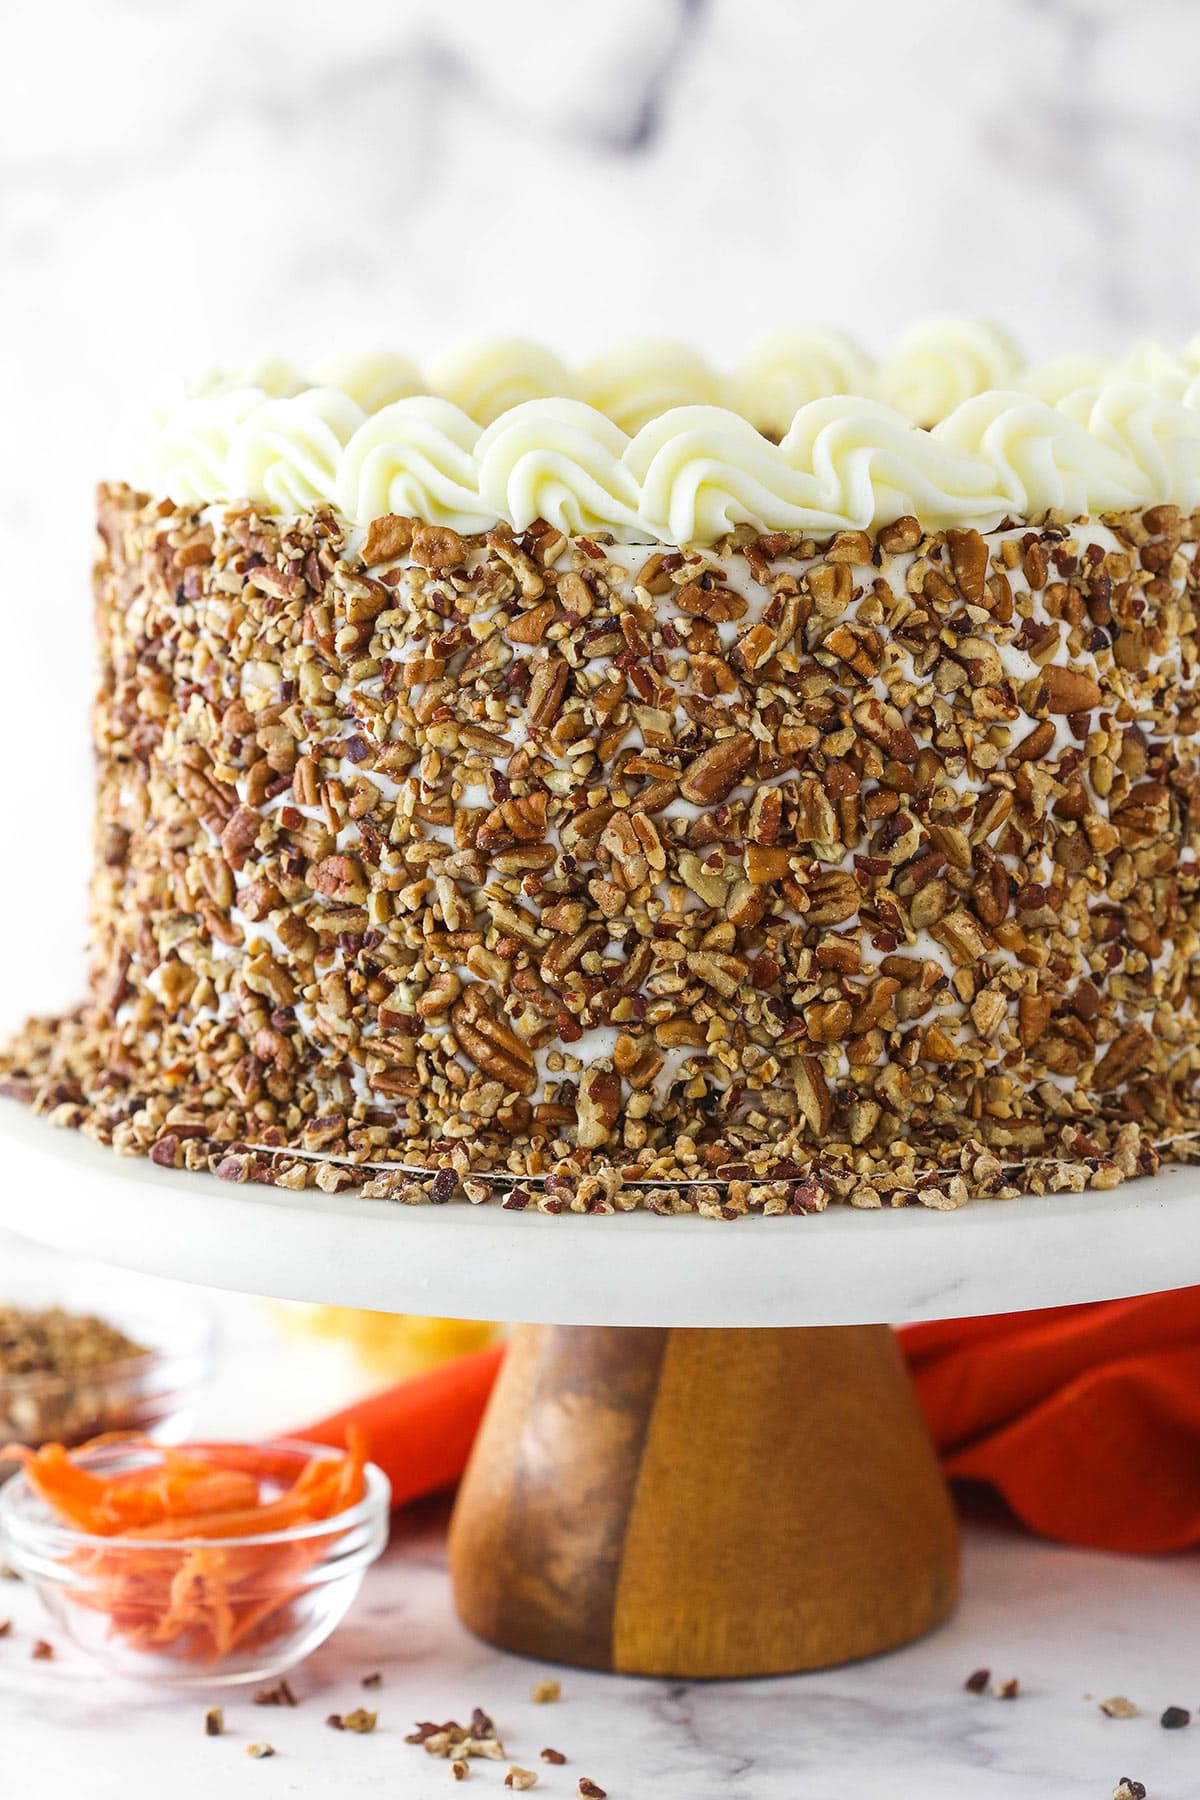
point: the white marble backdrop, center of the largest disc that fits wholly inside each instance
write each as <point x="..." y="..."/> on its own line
<point x="181" y="182"/>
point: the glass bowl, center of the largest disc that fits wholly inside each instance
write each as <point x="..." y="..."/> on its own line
<point x="154" y="1393"/>
<point x="261" y="1604"/>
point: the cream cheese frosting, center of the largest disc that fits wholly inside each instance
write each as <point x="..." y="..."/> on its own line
<point x="650" y="443"/>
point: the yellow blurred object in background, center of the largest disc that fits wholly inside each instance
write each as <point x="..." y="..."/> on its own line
<point x="390" y="1345"/>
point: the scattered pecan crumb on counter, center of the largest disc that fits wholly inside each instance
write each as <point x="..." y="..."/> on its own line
<point x="1007" y="1690"/>
<point x="42" y="1651"/>
<point x="279" y="1695"/>
<point x="214" y="1722"/>
<point x="545" y="1691"/>
<point x="459" y="1741"/>
<point x="520" y="1778"/>
<point x="260" y="1750"/>
<point x="1118" y="1707"/>
<point x="587" y="1790"/>
<point x="978" y="1681"/>
<point x="1128" y="1789"/>
<point x="1175" y="1718"/>
<point x="459" y="1770"/>
<point x="553" y="1756"/>
<point x="359" y="1720"/>
<point x="374" y="1680"/>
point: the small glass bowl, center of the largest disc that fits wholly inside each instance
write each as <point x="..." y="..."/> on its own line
<point x="154" y="1393"/>
<point x="278" y="1594"/>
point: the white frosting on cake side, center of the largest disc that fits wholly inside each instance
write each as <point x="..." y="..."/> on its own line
<point x="950" y="428"/>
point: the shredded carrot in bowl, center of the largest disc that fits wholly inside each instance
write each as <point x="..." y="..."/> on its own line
<point x="200" y="1550"/>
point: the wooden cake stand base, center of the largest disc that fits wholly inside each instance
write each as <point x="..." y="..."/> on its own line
<point x="703" y="1502"/>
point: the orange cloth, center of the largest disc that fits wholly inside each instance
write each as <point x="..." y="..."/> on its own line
<point x="1085" y="1418"/>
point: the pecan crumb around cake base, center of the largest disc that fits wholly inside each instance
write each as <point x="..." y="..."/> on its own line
<point x="138" y="1123"/>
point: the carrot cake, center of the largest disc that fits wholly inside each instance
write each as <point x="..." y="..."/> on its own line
<point x="643" y="785"/>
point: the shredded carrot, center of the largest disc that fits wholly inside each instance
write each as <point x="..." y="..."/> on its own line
<point x="176" y="1579"/>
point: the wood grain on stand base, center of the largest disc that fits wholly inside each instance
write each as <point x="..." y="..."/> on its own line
<point x="703" y="1502"/>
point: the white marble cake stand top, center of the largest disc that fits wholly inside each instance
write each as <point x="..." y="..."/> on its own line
<point x="834" y="1268"/>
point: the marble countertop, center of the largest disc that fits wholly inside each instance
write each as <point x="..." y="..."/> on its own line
<point x="1072" y="1627"/>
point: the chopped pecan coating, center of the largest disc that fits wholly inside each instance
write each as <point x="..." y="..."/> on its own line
<point x="765" y="876"/>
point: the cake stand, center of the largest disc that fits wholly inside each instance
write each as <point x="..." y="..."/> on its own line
<point x="703" y="1456"/>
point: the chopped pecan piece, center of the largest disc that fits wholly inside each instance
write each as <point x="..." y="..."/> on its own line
<point x="240" y="835"/>
<point x="767" y="862"/>
<point x="388" y="538"/>
<point x="812" y="1095"/>
<point x="1127" y="1055"/>
<point x="766" y="816"/>
<point x="522" y="821"/>
<point x="903" y="534"/>
<point x="719" y="605"/>
<point x="712" y="776"/>
<point x="546" y="690"/>
<point x="490" y="1042"/>
<point x="1061" y="690"/>
<point x="885" y="726"/>
<point x="1033" y="1014"/>
<point x="969" y="560"/>
<point x="531" y="627"/>
<point x="599" y="1106"/>
<point x="437" y="548"/>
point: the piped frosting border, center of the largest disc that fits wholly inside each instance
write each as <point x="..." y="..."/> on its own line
<point x="650" y="444"/>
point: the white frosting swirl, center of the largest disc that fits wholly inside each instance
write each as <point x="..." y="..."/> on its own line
<point x="1042" y="459"/>
<point x="561" y="461"/>
<point x="1148" y="361"/>
<point x="1053" y="381"/>
<point x="639" y="382"/>
<point x="489" y="377"/>
<point x="1156" y="365"/>
<point x="375" y="379"/>
<point x="417" y="458"/>
<point x="874" y="466"/>
<point x="701" y="471"/>
<point x="1156" y="435"/>
<point x="288" y="452"/>
<point x="784" y="371"/>
<point x="942" y="362"/>
<point x="185" y="451"/>
<point x="274" y="375"/>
